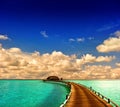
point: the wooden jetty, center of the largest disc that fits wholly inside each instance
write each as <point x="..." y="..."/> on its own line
<point x="83" y="97"/>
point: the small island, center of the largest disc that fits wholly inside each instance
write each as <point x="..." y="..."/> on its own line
<point x="52" y="78"/>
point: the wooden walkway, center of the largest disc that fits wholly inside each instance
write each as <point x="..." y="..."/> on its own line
<point x="82" y="97"/>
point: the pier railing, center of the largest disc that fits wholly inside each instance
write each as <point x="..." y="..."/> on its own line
<point x="67" y="96"/>
<point x="103" y="97"/>
<point x="108" y="100"/>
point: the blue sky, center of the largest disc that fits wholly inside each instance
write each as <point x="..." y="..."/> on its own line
<point x="23" y="20"/>
<point x="89" y="30"/>
<point x="61" y="20"/>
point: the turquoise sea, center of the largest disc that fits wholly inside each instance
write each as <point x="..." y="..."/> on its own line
<point x="36" y="93"/>
<point x="31" y="93"/>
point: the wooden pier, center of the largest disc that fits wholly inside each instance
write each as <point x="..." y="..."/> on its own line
<point x="83" y="97"/>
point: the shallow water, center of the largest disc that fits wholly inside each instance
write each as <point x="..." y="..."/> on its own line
<point x="109" y="88"/>
<point x="31" y="93"/>
<point x="36" y="93"/>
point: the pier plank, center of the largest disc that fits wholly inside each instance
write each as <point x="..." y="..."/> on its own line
<point x="82" y="97"/>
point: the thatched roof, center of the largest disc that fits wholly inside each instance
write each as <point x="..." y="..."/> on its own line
<point x="53" y="78"/>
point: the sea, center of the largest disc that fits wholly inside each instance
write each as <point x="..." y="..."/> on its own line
<point x="37" y="93"/>
<point x="32" y="93"/>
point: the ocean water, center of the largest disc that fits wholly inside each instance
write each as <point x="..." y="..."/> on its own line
<point x="109" y="88"/>
<point x="36" y="93"/>
<point x="31" y="93"/>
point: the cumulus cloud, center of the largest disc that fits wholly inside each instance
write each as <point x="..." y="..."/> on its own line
<point x="118" y="64"/>
<point x="115" y="73"/>
<point x="117" y="33"/>
<point x="14" y="50"/>
<point x="105" y="58"/>
<point x="88" y="58"/>
<point x="14" y="63"/>
<point x="112" y="44"/>
<point x="44" y="34"/>
<point x="3" y="37"/>
<point x="98" y="72"/>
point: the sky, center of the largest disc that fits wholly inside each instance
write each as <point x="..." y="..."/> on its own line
<point x="78" y="39"/>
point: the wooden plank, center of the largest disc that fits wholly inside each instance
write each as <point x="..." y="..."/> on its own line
<point x="82" y="97"/>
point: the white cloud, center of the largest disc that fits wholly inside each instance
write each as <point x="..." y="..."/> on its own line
<point x="44" y="34"/>
<point x="76" y="40"/>
<point x="71" y="40"/>
<point x="88" y="58"/>
<point x="14" y="50"/>
<point x="117" y="33"/>
<point x="0" y="46"/>
<point x="112" y="44"/>
<point x="80" y="39"/>
<point x="90" y="38"/>
<point x="118" y="64"/>
<point x="98" y="72"/>
<point x="14" y="63"/>
<point x="115" y="73"/>
<point x="3" y="37"/>
<point x="105" y="58"/>
<point x="107" y="27"/>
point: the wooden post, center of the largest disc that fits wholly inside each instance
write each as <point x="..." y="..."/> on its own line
<point x="108" y="100"/>
<point x="66" y="96"/>
<point x="98" y="94"/>
<point x="102" y="97"/>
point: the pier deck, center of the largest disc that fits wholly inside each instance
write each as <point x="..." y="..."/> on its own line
<point x="82" y="97"/>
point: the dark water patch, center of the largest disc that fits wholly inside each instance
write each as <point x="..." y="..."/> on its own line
<point x="58" y="95"/>
<point x="31" y="93"/>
